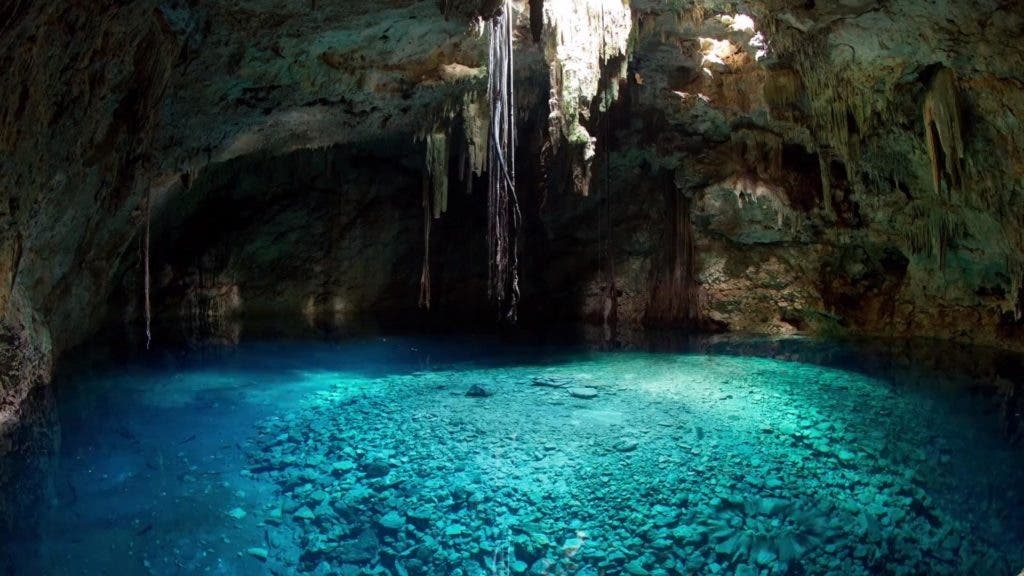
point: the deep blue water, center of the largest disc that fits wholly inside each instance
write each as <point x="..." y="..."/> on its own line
<point x="366" y="456"/>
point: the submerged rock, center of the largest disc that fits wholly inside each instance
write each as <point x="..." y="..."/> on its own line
<point x="454" y="530"/>
<point x="551" y="382"/>
<point x="421" y="516"/>
<point x="478" y="391"/>
<point x="626" y="445"/>
<point x="745" y="570"/>
<point x="636" y="568"/>
<point x="571" y="547"/>
<point x="393" y="520"/>
<point x="376" y="467"/>
<point x="343" y="466"/>
<point x="542" y="567"/>
<point x="583" y="393"/>
<point x="362" y="549"/>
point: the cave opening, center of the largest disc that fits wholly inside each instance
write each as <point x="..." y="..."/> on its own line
<point x="503" y="287"/>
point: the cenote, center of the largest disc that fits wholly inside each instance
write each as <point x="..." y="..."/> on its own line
<point x="511" y="287"/>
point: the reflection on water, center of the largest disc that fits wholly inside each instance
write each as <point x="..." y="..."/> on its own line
<point x="366" y="456"/>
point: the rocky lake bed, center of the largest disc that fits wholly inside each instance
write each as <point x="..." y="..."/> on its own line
<point x="405" y="458"/>
<point x="690" y="465"/>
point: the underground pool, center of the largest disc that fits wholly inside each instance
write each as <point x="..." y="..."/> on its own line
<point x="405" y="455"/>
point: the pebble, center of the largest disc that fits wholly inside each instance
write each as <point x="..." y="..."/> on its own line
<point x="571" y="547"/>
<point x="393" y="520"/>
<point x="626" y="445"/>
<point x="583" y="393"/>
<point x="635" y="568"/>
<point x="550" y="382"/>
<point x="344" y="466"/>
<point x="304" y="513"/>
<point x="478" y="391"/>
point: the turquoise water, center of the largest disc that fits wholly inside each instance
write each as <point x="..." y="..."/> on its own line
<point x="368" y="457"/>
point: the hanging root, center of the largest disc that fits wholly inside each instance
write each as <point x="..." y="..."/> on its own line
<point x="145" y="282"/>
<point x="425" y="275"/>
<point x="503" y="214"/>
<point x="942" y="130"/>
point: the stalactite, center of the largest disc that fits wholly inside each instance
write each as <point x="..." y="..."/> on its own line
<point x="435" y="195"/>
<point x="748" y="190"/>
<point x="437" y="168"/>
<point x="782" y="89"/>
<point x="934" y="226"/>
<point x="826" y="182"/>
<point x="10" y="257"/>
<point x="692" y="17"/>
<point x="761" y="150"/>
<point x="1015" y="270"/>
<point x="503" y="214"/>
<point x="473" y="159"/>
<point x="474" y="125"/>
<point x="844" y="102"/>
<point x="146" y="279"/>
<point x="943" y="133"/>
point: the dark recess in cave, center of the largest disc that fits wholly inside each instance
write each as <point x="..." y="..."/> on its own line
<point x="804" y="174"/>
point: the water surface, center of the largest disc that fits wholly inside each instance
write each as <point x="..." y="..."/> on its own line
<point x="366" y="456"/>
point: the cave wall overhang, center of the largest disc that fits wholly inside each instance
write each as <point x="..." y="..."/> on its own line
<point x="795" y="131"/>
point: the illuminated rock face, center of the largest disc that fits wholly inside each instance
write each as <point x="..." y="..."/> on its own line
<point x="835" y="183"/>
<point x="797" y="137"/>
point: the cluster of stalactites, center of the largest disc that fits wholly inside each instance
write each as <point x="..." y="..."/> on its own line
<point x="439" y="141"/>
<point x="582" y="37"/>
<point x="943" y="220"/>
<point x="943" y="134"/>
<point x="435" y="198"/>
<point x="435" y="189"/>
